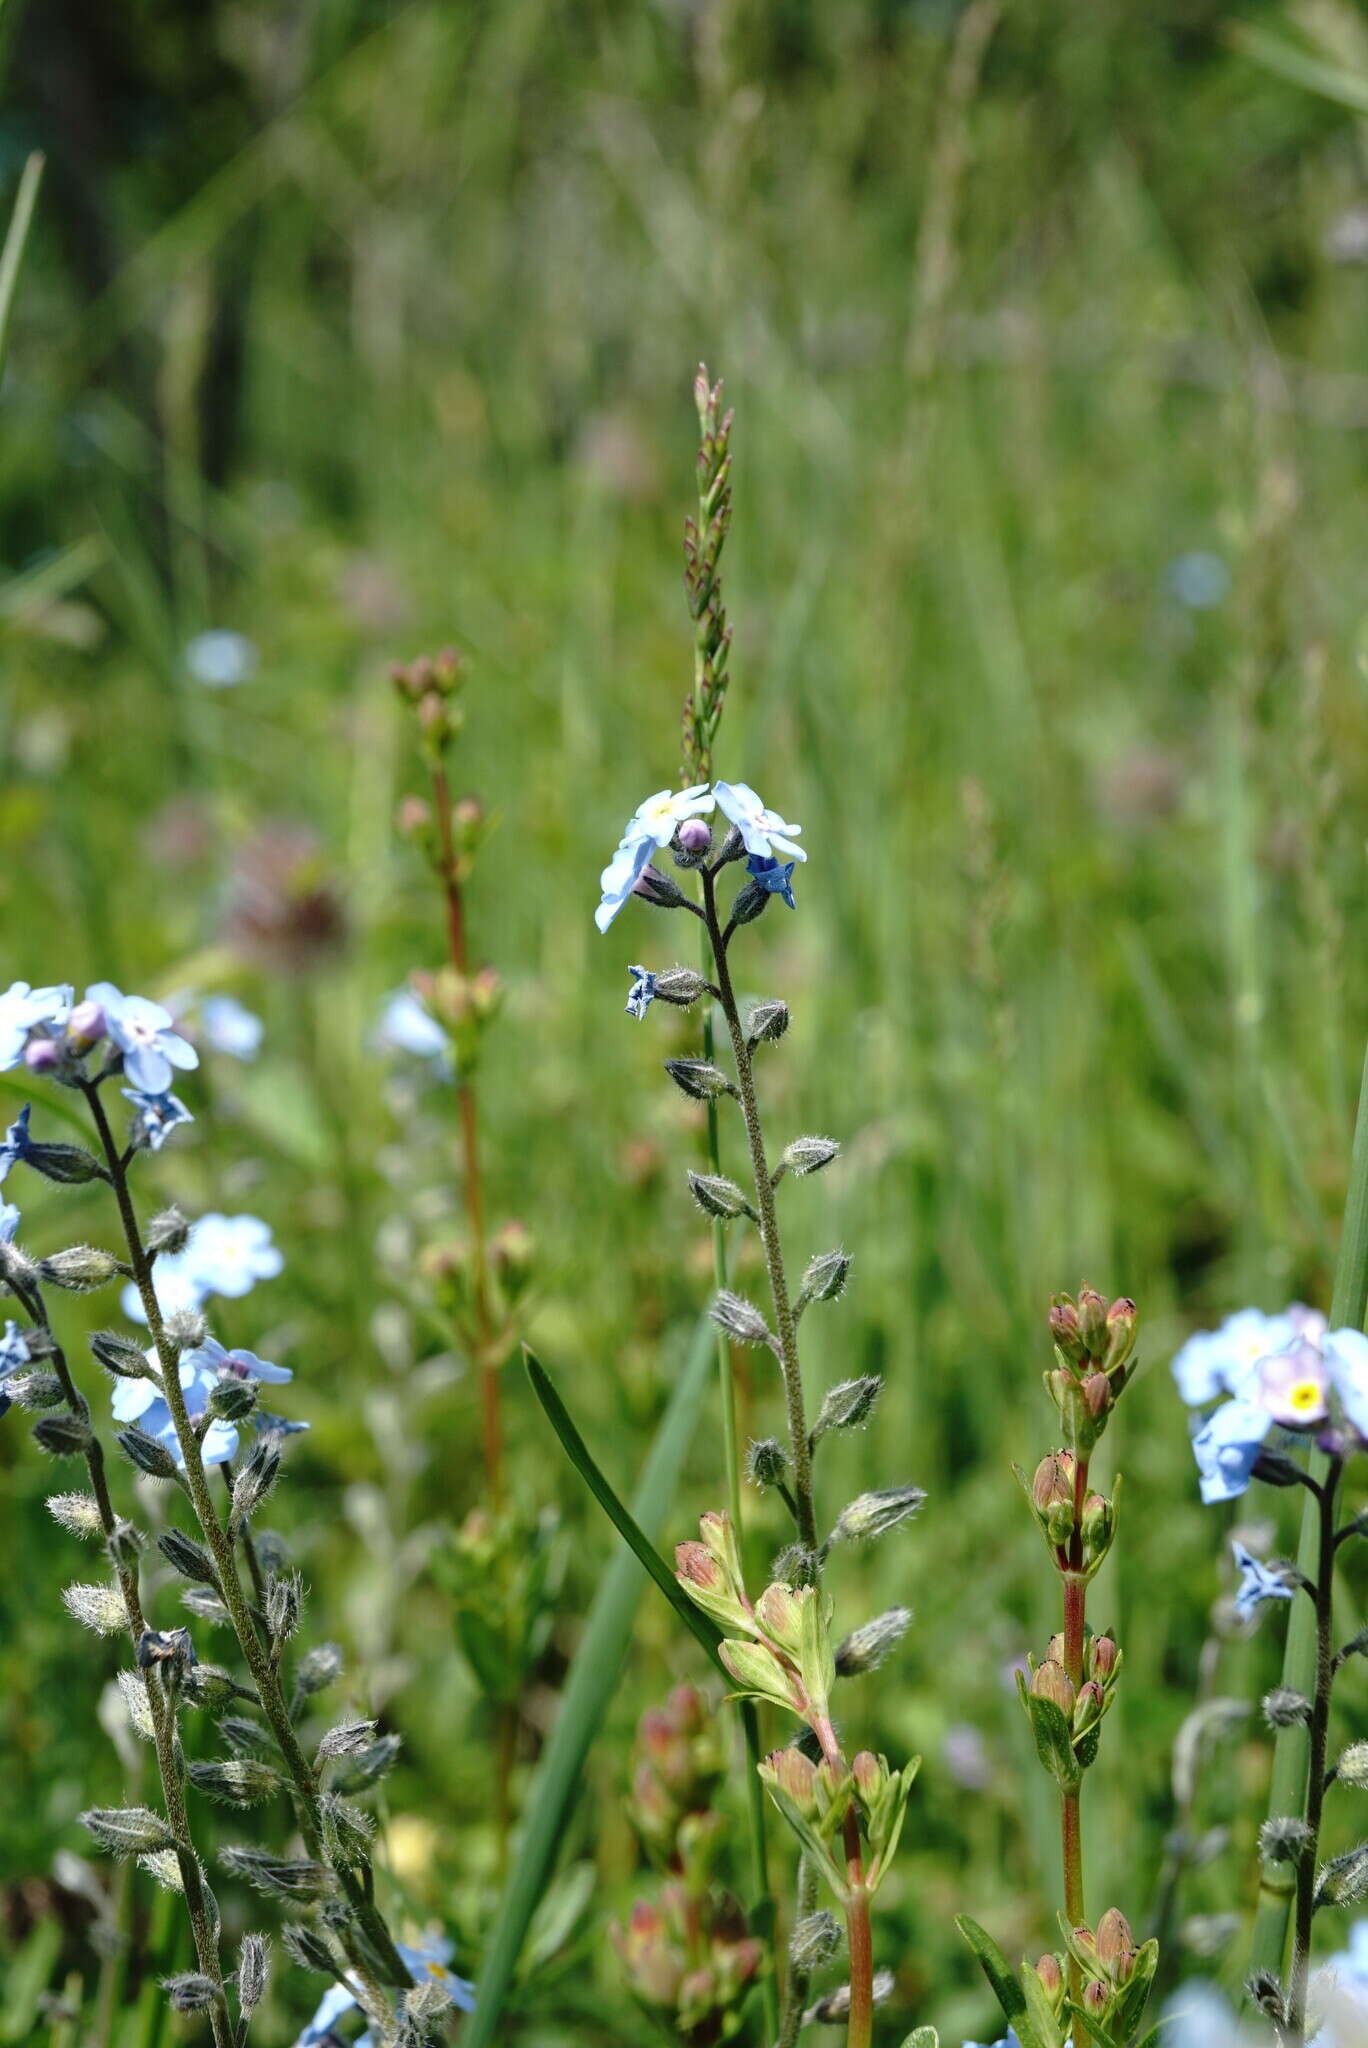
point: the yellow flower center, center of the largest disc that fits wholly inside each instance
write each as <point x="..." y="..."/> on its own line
<point x="1305" y="1397"/>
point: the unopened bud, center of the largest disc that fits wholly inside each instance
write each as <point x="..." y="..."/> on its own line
<point x="1051" y="1977"/>
<point x="35" y="1390"/>
<point x="815" y="1941"/>
<point x="680" y="986"/>
<point x="847" y="1405"/>
<point x="284" y="1596"/>
<point x="1284" y="1838"/>
<point x="1088" y="1706"/>
<point x="694" y="837"/>
<point x="767" y="1022"/>
<point x="865" y="1648"/>
<point x="1097" y="1392"/>
<point x="1092" y="1320"/>
<point x="236" y="1781"/>
<point x="874" y="1514"/>
<point x="658" y="889"/>
<point x="809" y="1155"/>
<point x="318" y="1668"/>
<point x="718" y="1196"/>
<point x="1052" y="1682"/>
<point x="42" y="1055"/>
<point x="1102" y="1657"/>
<point x="1116" y="1945"/>
<point x="826" y="1276"/>
<point x="85" y="1026"/>
<point x="127" y="1830"/>
<point x="62" y="1436"/>
<point x="148" y="1453"/>
<point x="80" y="1268"/>
<point x="1065" y="1330"/>
<point x="121" y="1356"/>
<point x="187" y="1557"/>
<point x="253" y="1965"/>
<point x="1121" y="1320"/>
<point x="699" y="1079"/>
<point x="186" y="1329"/>
<point x="1096" y="1524"/>
<point x="1096" y="1998"/>
<point x="1284" y="1708"/>
<point x="739" y="1318"/>
<point x="168" y="1231"/>
<point x="766" y="1462"/>
<point x="232" y="1400"/>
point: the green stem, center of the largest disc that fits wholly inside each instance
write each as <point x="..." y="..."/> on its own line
<point x="161" y="1712"/>
<point x="1075" y="1634"/>
<point x="265" y="1672"/>
<point x="1288" y="1786"/>
<point x="797" y="1980"/>
<point x="1318" y="1734"/>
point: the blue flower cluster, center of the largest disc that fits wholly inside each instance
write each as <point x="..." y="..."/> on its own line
<point x="201" y="1370"/>
<point x="426" y="1965"/>
<point x="652" y="826"/>
<point x="1269" y="1373"/>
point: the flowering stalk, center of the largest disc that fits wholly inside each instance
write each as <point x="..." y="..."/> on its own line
<point x="1290" y="1783"/>
<point x="260" y="1660"/>
<point x="161" y="1713"/>
<point x="1322" y="1593"/>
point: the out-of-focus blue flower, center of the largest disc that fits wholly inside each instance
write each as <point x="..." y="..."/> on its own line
<point x="1009" y="2040"/>
<point x="277" y="1425"/>
<point x="228" y="1026"/>
<point x="965" y="1757"/>
<point x="21" y="1008"/>
<point x="764" y="832"/>
<point x="139" y="1401"/>
<point x="1214" y="1362"/>
<point x="15" y="1143"/>
<point x="146" y="1036"/>
<point x="9" y="1222"/>
<point x="157" y="1116"/>
<point x="1226" y="1446"/>
<point x="223" y="1255"/>
<point x="426" y="1965"/>
<point x="776" y="877"/>
<point x="652" y="825"/>
<point x="220" y="659"/>
<point x="1199" y="579"/>
<point x="406" y="1025"/>
<point x="13" y="1350"/>
<point x="641" y="994"/>
<point x="1258" y="1582"/>
<point x="1199" y="2017"/>
<point x="1346" y="1361"/>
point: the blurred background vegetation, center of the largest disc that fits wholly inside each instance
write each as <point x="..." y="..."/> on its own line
<point x="357" y="329"/>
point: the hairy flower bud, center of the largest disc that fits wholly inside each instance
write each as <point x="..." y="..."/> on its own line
<point x="80" y="1268"/>
<point x="284" y="1594"/>
<point x="68" y="1165"/>
<point x="192" y="1992"/>
<point x="127" y="1830"/>
<point x="96" y="1607"/>
<point x="148" y="1453"/>
<point x="186" y="1329"/>
<point x="766" y="1462"/>
<point x="121" y="1356"/>
<point x="718" y="1196"/>
<point x="865" y="1648"/>
<point x="1284" y="1838"/>
<point x="253" y="1967"/>
<point x="847" y="1405"/>
<point x="767" y="1022"/>
<point x="305" y="1946"/>
<point x="658" y="889"/>
<point x="168" y="1231"/>
<point x="1285" y="1708"/>
<point x="78" y="1513"/>
<point x="825" y="1277"/>
<point x="680" y="986"/>
<point x="740" y="1318"/>
<point x="61" y="1436"/>
<point x="238" y="1781"/>
<point x="699" y="1079"/>
<point x="815" y="1941"/>
<point x="318" y="1668"/>
<point x="187" y="1557"/>
<point x="809" y="1154"/>
<point x="255" y="1479"/>
<point x="874" y="1514"/>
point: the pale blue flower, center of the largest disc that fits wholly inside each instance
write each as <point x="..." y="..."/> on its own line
<point x="1346" y="1361"/>
<point x="13" y="1350"/>
<point x="1258" y="1582"/>
<point x="146" y="1036"/>
<point x="1226" y="1446"/>
<point x="641" y="995"/>
<point x="139" y="1401"/>
<point x="220" y="659"/>
<point x="763" y="832"/>
<point x="277" y="1425"/>
<point x="14" y="1146"/>
<point x="775" y="877"/>
<point x="426" y="1965"/>
<point x="1224" y="1361"/>
<point x="157" y="1116"/>
<point x="223" y="1255"/>
<point x="21" y="1008"/>
<point x="239" y="1363"/>
<point x="9" y="1222"/>
<point x="228" y="1026"/>
<point x="651" y="826"/>
<point x="407" y="1025"/>
<point x="1198" y="579"/>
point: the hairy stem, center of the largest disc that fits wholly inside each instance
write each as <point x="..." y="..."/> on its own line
<point x="797" y="1980"/>
<point x="800" y="1453"/>
<point x="1318" y="1733"/>
<point x="1075" y="1632"/>
<point x="170" y="1767"/>
<point x="265" y="1671"/>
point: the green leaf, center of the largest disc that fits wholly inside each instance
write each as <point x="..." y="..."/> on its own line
<point x="922" y="2037"/>
<point x="1053" y="1738"/>
<point x="706" y="1632"/>
<point x="16" y="240"/>
<point x="592" y="1678"/>
<point x="1005" y="1988"/>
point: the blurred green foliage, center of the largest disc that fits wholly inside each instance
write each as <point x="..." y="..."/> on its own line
<point x="362" y="328"/>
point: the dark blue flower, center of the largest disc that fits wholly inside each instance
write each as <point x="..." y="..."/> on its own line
<point x="157" y="1116"/>
<point x="14" y="1146"/>
<point x="641" y="995"/>
<point x="1258" y="1582"/>
<point x="773" y="875"/>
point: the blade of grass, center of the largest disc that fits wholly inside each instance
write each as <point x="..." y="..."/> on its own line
<point x="1288" y="1786"/>
<point x="589" y="1687"/>
<point x="16" y="240"/>
<point x="698" y="1624"/>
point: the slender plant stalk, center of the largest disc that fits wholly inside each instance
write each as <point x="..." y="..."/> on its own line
<point x="487" y="1363"/>
<point x="1075" y="1633"/>
<point x="1318" y="1735"/>
<point x="797" y="1979"/>
<point x="1290" y="1783"/>
<point x="800" y="1449"/>
<point x="166" y="1743"/>
<point x="263" y="1668"/>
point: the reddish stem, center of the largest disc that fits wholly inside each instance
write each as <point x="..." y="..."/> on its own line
<point x="486" y="1363"/>
<point x="859" y="1939"/>
<point x="1075" y="1606"/>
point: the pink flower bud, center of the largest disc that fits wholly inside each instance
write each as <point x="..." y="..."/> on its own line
<point x="41" y="1055"/>
<point x="1052" y="1682"/>
<point x="695" y="835"/>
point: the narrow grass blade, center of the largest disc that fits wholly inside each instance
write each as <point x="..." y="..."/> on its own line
<point x="693" y="1618"/>
<point x="1006" y="1990"/>
<point x="1287" y="1787"/>
<point x="592" y="1680"/>
<point x="16" y="240"/>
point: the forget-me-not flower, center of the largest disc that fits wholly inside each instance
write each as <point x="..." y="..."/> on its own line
<point x="641" y="995"/>
<point x="228" y="1026"/>
<point x="764" y="832"/>
<point x="407" y="1025"/>
<point x="426" y="1965"/>
<point x="239" y="1363"/>
<point x="1214" y="1362"/>
<point x="1346" y="1361"/>
<point x="140" y="1401"/>
<point x="157" y="1116"/>
<point x="13" y="1350"/>
<point x="145" y="1034"/>
<point x="651" y="826"/>
<point x="223" y="1255"/>
<point x="14" y="1146"/>
<point x="220" y="658"/>
<point x="21" y="1009"/>
<point x="1258" y="1582"/>
<point x="9" y="1222"/>
<point x="775" y="877"/>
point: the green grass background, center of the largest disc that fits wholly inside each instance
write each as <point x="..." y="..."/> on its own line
<point x="363" y="328"/>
